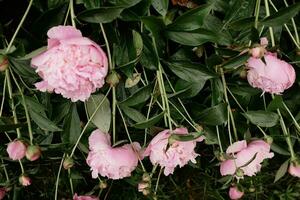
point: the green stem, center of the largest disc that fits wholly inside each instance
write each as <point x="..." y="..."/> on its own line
<point x="157" y="182"/>
<point x="294" y="24"/>
<point x="219" y="139"/>
<point x="3" y="95"/>
<point x="129" y="138"/>
<point x="22" y="168"/>
<point x="67" y="15"/>
<point x="25" y="108"/>
<point x="58" y="175"/>
<point x="9" y="87"/>
<point x="19" y="26"/>
<point x="88" y="122"/>
<point x="256" y="13"/>
<point x="5" y="171"/>
<point x="270" y="28"/>
<point x="72" y="13"/>
<point x="71" y="182"/>
<point x="291" y="115"/>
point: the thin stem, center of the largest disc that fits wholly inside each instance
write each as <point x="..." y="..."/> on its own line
<point x="107" y="46"/>
<point x="58" y="175"/>
<point x="294" y="24"/>
<point x="88" y="122"/>
<point x="19" y="26"/>
<point x="114" y="104"/>
<point x="291" y="115"/>
<point x="3" y="96"/>
<point x="129" y="138"/>
<point x="25" y="108"/>
<point x="67" y="15"/>
<point x="256" y="13"/>
<point x="270" y="28"/>
<point x="72" y="13"/>
<point x="9" y="87"/>
<point x="219" y="139"/>
<point x="157" y="181"/>
<point x="264" y="100"/>
<point x="71" y="182"/>
<point x="21" y="165"/>
<point x="5" y="171"/>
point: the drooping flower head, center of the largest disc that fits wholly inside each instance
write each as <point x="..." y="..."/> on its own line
<point x="73" y="65"/>
<point x="246" y="158"/>
<point x="177" y="154"/>
<point x="270" y="74"/>
<point x="16" y="150"/>
<point x="112" y="162"/>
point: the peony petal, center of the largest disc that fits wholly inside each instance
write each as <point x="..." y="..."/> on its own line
<point x="237" y="146"/>
<point x="63" y="32"/>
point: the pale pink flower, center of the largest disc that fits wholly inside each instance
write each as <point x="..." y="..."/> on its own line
<point x="24" y="180"/>
<point x="177" y="154"/>
<point x="73" y="66"/>
<point x="246" y="157"/>
<point x="294" y="170"/>
<point x="115" y="163"/>
<point x="76" y="197"/>
<point x="2" y="193"/>
<point x="16" y="150"/>
<point x="271" y="75"/>
<point x="235" y="193"/>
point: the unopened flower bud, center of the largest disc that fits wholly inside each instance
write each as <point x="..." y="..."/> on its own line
<point x="243" y="74"/>
<point x="68" y="163"/>
<point x="24" y="180"/>
<point x="269" y="139"/>
<point x="3" y="63"/>
<point x="103" y="185"/>
<point x="239" y="173"/>
<point x="33" y="152"/>
<point x="113" y="79"/>
<point x="257" y="52"/>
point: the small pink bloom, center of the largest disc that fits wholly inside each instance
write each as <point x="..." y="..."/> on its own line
<point x="179" y="153"/>
<point x="73" y="66"/>
<point x="76" y="197"/>
<point x="115" y="163"/>
<point x="258" y="150"/>
<point x="235" y="194"/>
<point x="273" y="76"/>
<point x="294" y="170"/>
<point x="33" y="152"/>
<point x="24" y="180"/>
<point x="16" y="150"/>
<point x="2" y="193"/>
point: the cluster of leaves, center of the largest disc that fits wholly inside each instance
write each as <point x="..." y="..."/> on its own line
<point x="192" y="48"/>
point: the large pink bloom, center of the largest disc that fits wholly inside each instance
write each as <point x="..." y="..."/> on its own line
<point x="257" y="151"/>
<point x="115" y="163"/>
<point x="273" y="76"/>
<point x="235" y="193"/>
<point x="76" y="197"/>
<point x="179" y="153"/>
<point x="16" y="150"/>
<point x="73" y="66"/>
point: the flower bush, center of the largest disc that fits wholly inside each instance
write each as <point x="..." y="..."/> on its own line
<point x="149" y="99"/>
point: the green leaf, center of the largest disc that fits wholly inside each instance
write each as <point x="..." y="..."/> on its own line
<point x="150" y="122"/>
<point x="282" y="170"/>
<point x="149" y="58"/>
<point x="34" y="53"/>
<point x="275" y="103"/>
<point x="43" y="122"/>
<point x="262" y="118"/>
<point x="192" y="38"/>
<point x="241" y="24"/>
<point x="236" y="62"/>
<point x="8" y="127"/>
<point x="184" y="138"/>
<point x="137" y="42"/>
<point x="161" y="6"/>
<point x="278" y="149"/>
<point x="282" y="16"/>
<point x="102" y="117"/>
<point x="126" y="3"/>
<point x="139" y="96"/>
<point x="100" y="15"/>
<point x="72" y="127"/>
<point x="215" y="115"/>
<point x="190" y="20"/>
<point x="191" y="72"/>
<point x="23" y="68"/>
<point x="188" y="89"/>
<point x="133" y="114"/>
<point x="155" y="25"/>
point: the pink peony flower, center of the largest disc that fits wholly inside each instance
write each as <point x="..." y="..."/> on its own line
<point x="234" y="193"/>
<point x="257" y="151"/>
<point x="273" y="75"/>
<point x="2" y="193"/>
<point x="73" y="66"/>
<point x="16" y="150"/>
<point x="294" y="170"/>
<point x="179" y="153"/>
<point x="115" y="163"/>
<point x="76" y="197"/>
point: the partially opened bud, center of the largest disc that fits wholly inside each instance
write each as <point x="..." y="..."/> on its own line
<point x="294" y="169"/>
<point x="33" y="152"/>
<point x="24" y="180"/>
<point x="68" y="163"/>
<point x="3" y="63"/>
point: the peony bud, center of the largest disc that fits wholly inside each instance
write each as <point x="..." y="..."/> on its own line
<point x="68" y="163"/>
<point x="257" y="52"/>
<point x="16" y="150"/>
<point x="146" y="177"/>
<point x="113" y="79"/>
<point x="24" y="180"/>
<point x="235" y="193"/>
<point x="294" y="169"/>
<point x="3" y="63"/>
<point x="33" y="152"/>
<point x="269" y="139"/>
<point x="103" y="185"/>
<point x="239" y="173"/>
